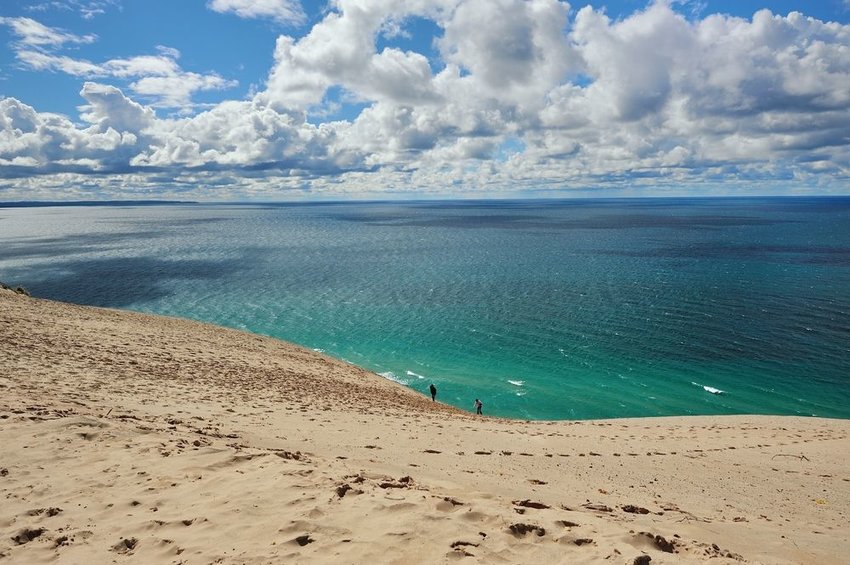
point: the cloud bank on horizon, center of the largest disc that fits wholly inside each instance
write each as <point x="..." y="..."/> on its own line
<point x="420" y="98"/>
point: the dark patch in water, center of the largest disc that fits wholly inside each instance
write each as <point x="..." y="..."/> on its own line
<point x="120" y="282"/>
<point x="21" y="248"/>
<point x="836" y="260"/>
<point x="538" y="222"/>
<point x="794" y="254"/>
<point x="160" y="224"/>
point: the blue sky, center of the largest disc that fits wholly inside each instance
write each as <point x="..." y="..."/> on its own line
<point x="280" y="99"/>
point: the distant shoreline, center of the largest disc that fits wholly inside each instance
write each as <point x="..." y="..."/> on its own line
<point x="88" y="203"/>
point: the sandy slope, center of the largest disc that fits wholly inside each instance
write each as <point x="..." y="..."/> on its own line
<point x="132" y="438"/>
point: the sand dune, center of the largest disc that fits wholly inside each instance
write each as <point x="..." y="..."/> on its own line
<point x="141" y="439"/>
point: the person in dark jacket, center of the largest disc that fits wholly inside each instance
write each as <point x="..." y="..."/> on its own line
<point x="433" y="390"/>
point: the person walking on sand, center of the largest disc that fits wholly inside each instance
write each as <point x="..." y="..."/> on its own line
<point x="478" y="406"/>
<point x="433" y="391"/>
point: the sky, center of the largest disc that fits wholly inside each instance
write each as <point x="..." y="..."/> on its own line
<point x="265" y="100"/>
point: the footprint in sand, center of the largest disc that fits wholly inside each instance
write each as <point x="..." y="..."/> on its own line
<point x="125" y="545"/>
<point x="303" y="540"/>
<point x="520" y="529"/>
<point x="27" y="535"/>
<point x="530" y="504"/>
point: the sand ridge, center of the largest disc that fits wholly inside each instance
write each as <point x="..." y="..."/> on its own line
<point x="134" y="438"/>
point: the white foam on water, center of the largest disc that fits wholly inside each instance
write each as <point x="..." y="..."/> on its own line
<point x="390" y="376"/>
<point x="318" y="350"/>
<point x="412" y="374"/>
<point x="517" y="383"/>
<point x="710" y="389"/>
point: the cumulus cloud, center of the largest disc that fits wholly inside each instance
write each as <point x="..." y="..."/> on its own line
<point x="282" y="11"/>
<point x="717" y="96"/>
<point x="237" y="134"/>
<point x="503" y="48"/>
<point x="107" y="107"/>
<point x="341" y="50"/>
<point x="632" y="61"/>
<point x="50" y="143"/>
<point x="520" y="96"/>
<point x="512" y="47"/>
<point x="123" y="136"/>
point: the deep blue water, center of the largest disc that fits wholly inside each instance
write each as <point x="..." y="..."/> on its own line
<point x="543" y="309"/>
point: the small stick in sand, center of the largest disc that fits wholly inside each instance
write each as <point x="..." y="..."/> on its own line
<point x="800" y="457"/>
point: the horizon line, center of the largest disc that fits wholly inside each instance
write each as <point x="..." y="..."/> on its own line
<point x="166" y="202"/>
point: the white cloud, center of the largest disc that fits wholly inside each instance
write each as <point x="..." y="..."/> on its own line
<point x="631" y="61"/>
<point x="176" y="90"/>
<point x="108" y="108"/>
<point x="514" y="48"/>
<point x="142" y="65"/>
<point x="340" y="50"/>
<point x="508" y="49"/>
<point x="34" y="34"/>
<point x="51" y="143"/>
<point x="41" y="61"/>
<point x="237" y="134"/>
<point x="282" y="11"/>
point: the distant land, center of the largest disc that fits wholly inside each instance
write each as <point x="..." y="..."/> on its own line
<point x="46" y="203"/>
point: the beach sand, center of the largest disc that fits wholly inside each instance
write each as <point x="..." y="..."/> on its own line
<point x="128" y="438"/>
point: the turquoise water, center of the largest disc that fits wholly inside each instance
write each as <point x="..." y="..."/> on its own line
<point x="550" y="310"/>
